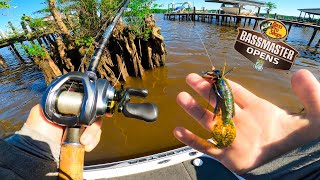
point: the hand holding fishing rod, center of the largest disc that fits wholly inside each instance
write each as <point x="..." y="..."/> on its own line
<point x="79" y="105"/>
<point x="76" y="99"/>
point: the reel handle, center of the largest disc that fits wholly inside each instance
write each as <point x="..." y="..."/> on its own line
<point x="137" y="92"/>
<point x="147" y="112"/>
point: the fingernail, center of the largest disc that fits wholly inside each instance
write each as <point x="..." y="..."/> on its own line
<point x="177" y="132"/>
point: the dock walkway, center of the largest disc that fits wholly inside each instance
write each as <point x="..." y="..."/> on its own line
<point x="237" y="21"/>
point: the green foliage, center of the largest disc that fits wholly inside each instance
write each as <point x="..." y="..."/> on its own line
<point x="26" y="18"/>
<point x="43" y="11"/>
<point x="84" y="41"/>
<point x="146" y="33"/>
<point x="37" y="23"/>
<point x="84" y="18"/>
<point x="107" y="7"/>
<point x="4" y="4"/>
<point x="138" y="11"/>
<point x="155" y="6"/>
<point x="34" y="50"/>
<point x="157" y="10"/>
<point x="270" y="6"/>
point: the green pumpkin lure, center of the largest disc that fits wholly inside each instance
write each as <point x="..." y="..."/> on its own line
<point x="224" y="130"/>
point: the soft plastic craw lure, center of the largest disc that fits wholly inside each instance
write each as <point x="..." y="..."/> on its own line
<point x="224" y="130"/>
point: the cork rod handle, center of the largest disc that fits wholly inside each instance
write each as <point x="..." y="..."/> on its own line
<point x="71" y="156"/>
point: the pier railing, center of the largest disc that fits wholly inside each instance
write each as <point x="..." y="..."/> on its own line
<point x="26" y="34"/>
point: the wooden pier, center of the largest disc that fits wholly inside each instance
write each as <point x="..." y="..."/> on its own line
<point x="237" y="21"/>
<point x="28" y="34"/>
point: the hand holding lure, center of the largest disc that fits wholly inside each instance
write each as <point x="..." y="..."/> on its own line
<point x="224" y="130"/>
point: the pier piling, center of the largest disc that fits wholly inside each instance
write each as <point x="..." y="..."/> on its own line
<point x="313" y="35"/>
<point x="16" y="53"/>
<point x="12" y="27"/>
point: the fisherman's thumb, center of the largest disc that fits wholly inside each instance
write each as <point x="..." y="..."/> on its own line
<point x="307" y="89"/>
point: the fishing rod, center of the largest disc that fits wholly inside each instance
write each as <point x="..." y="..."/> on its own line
<point x="76" y="99"/>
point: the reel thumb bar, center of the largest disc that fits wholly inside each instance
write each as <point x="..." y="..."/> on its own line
<point x="105" y="40"/>
<point x="72" y="153"/>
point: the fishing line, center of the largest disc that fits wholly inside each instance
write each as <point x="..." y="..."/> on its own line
<point x="207" y="53"/>
<point x="119" y="75"/>
<point x="211" y="89"/>
<point x="122" y="130"/>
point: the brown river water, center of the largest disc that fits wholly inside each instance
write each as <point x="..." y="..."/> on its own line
<point x="124" y="138"/>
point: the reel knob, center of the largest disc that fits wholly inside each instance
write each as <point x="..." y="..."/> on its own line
<point x="145" y="111"/>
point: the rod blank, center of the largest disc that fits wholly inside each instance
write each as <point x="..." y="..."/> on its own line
<point x="105" y="40"/>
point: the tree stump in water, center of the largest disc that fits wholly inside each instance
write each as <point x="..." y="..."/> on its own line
<point x="156" y="43"/>
<point x="126" y="55"/>
<point x="47" y="65"/>
<point x="138" y="54"/>
<point x="154" y="49"/>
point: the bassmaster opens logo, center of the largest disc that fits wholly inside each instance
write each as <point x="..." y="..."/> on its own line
<point x="256" y="47"/>
<point x="274" y="30"/>
<point x="266" y="48"/>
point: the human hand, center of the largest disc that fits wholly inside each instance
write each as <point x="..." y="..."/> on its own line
<point x="38" y="122"/>
<point x="264" y="131"/>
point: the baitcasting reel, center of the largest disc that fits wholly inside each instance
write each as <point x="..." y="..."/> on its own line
<point x="76" y="99"/>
